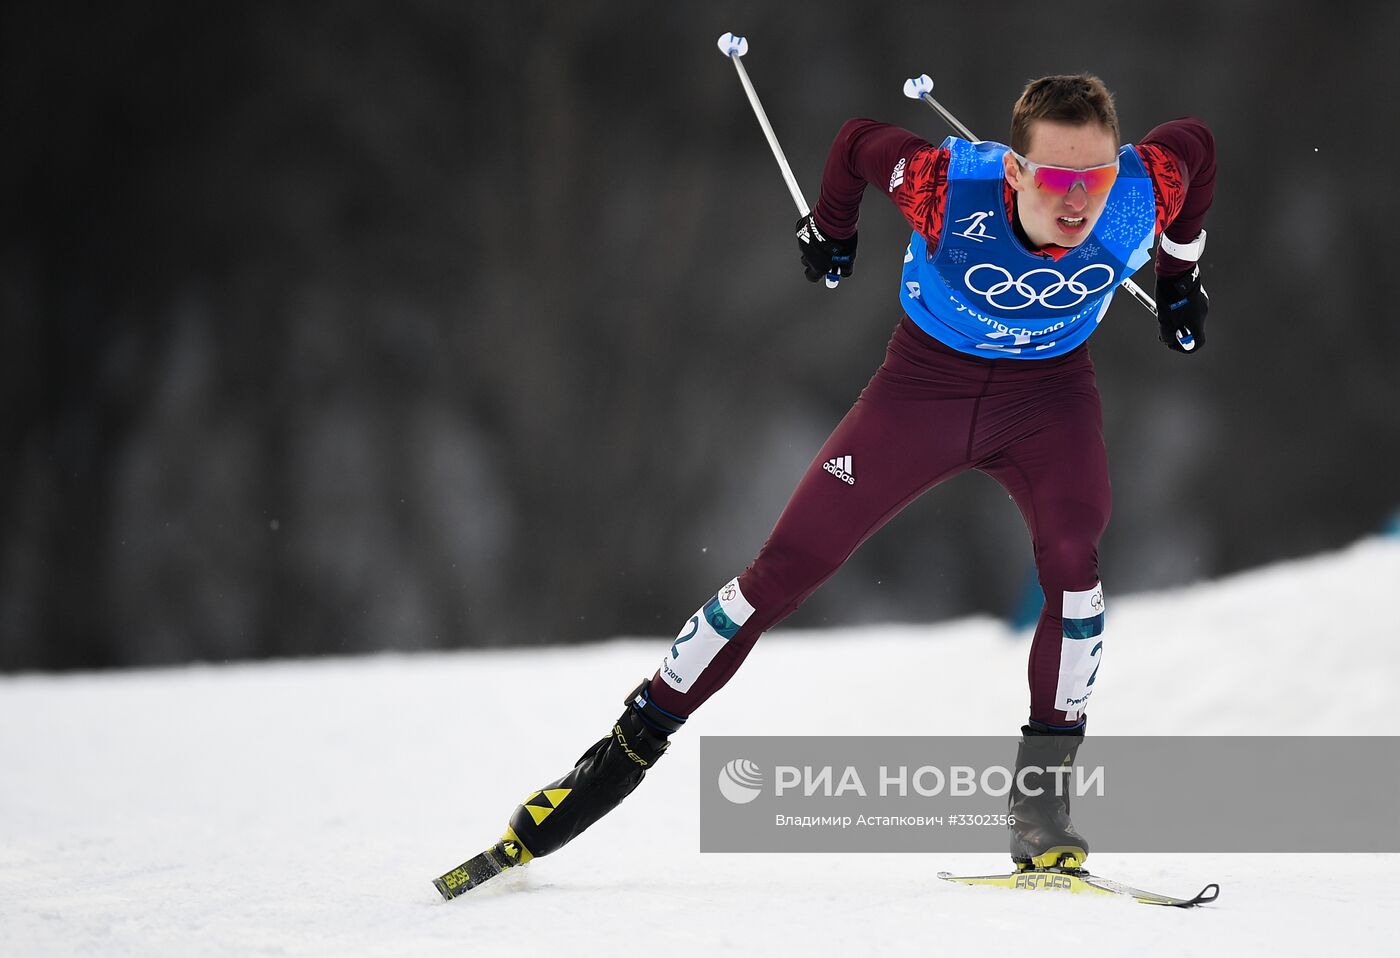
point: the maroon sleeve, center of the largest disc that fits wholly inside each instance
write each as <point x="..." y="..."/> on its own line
<point x="865" y="151"/>
<point x="1180" y="154"/>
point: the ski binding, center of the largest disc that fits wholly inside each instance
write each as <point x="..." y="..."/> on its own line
<point x="506" y="853"/>
<point x="1079" y="881"/>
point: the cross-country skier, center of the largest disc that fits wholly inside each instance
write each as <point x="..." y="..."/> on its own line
<point x="1015" y="255"/>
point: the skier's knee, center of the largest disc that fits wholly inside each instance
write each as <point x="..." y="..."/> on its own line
<point x="1067" y="562"/>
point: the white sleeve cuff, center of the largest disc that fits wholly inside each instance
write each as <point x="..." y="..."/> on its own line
<point x="1186" y="252"/>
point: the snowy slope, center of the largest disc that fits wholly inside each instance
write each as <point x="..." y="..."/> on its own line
<point x="302" y="808"/>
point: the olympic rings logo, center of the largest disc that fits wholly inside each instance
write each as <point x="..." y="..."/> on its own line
<point x="1028" y="293"/>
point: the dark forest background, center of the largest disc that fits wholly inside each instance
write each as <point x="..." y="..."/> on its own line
<point x="343" y="327"/>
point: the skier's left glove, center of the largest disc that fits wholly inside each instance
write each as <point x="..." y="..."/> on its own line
<point x="821" y="254"/>
<point x="1182" y="305"/>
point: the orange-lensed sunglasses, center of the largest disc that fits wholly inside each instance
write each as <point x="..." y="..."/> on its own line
<point x="1062" y="179"/>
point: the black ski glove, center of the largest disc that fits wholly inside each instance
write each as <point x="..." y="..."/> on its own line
<point x="1182" y="305"/>
<point x="821" y="255"/>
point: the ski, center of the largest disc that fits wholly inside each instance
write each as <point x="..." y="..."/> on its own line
<point x="506" y="853"/>
<point x="1079" y="881"/>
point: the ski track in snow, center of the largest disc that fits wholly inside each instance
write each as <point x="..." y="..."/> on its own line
<point x="302" y="808"/>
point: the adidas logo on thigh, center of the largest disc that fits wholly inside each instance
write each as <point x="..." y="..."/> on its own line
<point x="842" y="468"/>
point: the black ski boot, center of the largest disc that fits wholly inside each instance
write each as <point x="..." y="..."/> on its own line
<point x="603" y="776"/>
<point x="1042" y="836"/>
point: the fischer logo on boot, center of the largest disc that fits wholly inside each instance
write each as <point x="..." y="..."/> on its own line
<point x="627" y="749"/>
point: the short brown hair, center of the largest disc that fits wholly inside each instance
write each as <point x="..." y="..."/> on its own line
<point x="1075" y="99"/>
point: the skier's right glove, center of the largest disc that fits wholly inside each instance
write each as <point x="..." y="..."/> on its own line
<point x="1182" y="305"/>
<point x="821" y="254"/>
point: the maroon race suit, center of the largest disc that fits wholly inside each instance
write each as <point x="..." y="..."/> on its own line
<point x="931" y="412"/>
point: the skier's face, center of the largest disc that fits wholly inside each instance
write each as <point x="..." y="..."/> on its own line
<point x="1050" y="216"/>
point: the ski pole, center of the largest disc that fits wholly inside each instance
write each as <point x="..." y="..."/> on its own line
<point x="734" y="47"/>
<point x="921" y="88"/>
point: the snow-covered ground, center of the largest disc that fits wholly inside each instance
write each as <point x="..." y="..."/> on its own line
<point x="302" y="808"/>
